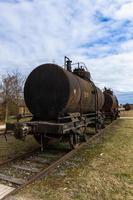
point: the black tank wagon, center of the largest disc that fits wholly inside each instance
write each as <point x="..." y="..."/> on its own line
<point x="50" y="92"/>
<point x="110" y="107"/>
<point x="63" y="104"/>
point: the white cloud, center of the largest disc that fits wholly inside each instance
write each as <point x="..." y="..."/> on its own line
<point x="114" y="71"/>
<point x="95" y="32"/>
<point x="125" y="11"/>
<point x="127" y="46"/>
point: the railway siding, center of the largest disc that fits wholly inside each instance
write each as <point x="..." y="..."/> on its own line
<point x="101" y="170"/>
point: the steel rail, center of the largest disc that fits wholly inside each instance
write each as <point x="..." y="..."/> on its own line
<point x="19" y="157"/>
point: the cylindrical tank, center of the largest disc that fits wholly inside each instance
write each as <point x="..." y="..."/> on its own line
<point x="50" y="90"/>
<point x="110" y="103"/>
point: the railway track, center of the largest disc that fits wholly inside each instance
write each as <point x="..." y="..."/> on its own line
<point x="18" y="172"/>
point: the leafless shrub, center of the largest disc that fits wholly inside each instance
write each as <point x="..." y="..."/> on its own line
<point x="11" y="90"/>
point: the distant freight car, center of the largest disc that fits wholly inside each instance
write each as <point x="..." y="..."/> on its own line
<point x="127" y="106"/>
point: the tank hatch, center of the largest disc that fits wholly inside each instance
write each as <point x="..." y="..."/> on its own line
<point x="81" y="72"/>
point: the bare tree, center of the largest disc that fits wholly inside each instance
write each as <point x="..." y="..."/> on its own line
<point x="11" y="89"/>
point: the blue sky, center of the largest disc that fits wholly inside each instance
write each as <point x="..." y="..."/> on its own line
<point x="97" y="32"/>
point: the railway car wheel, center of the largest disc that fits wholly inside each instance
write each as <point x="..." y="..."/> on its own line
<point x="74" y="140"/>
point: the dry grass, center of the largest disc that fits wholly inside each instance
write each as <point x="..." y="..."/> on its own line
<point x="13" y="147"/>
<point x="103" y="170"/>
<point x="125" y="113"/>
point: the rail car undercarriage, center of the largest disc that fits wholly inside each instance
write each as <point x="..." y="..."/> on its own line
<point x="71" y="128"/>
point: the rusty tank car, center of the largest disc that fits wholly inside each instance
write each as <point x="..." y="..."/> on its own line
<point x="51" y="91"/>
<point x="127" y="106"/>
<point x="110" y="107"/>
<point x="63" y="103"/>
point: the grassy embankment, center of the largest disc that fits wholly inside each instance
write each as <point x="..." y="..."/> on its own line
<point x="12" y="147"/>
<point x="127" y="113"/>
<point x="102" y="170"/>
